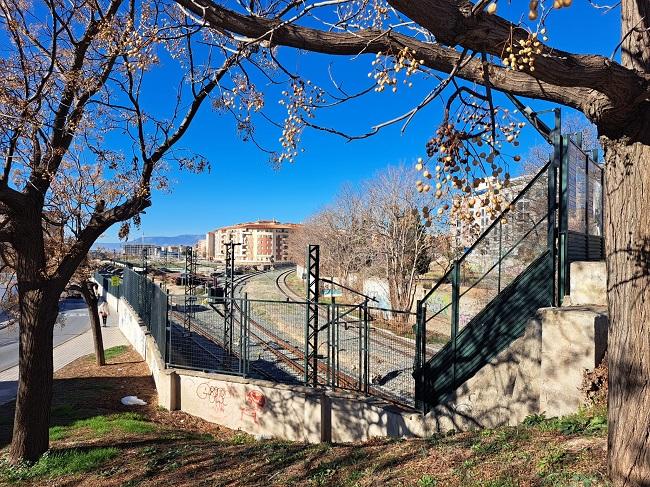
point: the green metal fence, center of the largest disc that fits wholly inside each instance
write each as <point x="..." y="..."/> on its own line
<point x="147" y="299"/>
<point x="519" y="264"/>
<point x="581" y="232"/>
<point x="486" y="298"/>
<point x="359" y="348"/>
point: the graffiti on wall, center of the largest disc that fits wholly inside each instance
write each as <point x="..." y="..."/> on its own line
<point x="216" y="395"/>
<point x="254" y="405"/>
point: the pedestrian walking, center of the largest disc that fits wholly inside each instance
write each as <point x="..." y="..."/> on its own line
<point x="104" y="312"/>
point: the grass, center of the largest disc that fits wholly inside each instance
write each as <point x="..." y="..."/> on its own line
<point x="587" y="421"/>
<point x="111" y="353"/>
<point x="95" y="438"/>
<point x="130" y="423"/>
<point x="59" y="463"/>
<point x="114" y="352"/>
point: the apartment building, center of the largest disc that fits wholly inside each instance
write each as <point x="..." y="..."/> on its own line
<point x="256" y="242"/>
<point x="154" y="251"/>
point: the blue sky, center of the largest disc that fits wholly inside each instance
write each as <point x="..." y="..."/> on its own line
<point x="243" y="185"/>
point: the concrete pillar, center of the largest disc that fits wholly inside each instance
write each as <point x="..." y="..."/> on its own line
<point x="588" y="284"/>
<point x="574" y="339"/>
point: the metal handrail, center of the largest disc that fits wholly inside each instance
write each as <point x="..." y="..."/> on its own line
<point x="496" y="221"/>
<point x="505" y="255"/>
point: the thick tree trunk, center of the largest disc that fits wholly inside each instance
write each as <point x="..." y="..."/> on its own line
<point x="38" y="312"/>
<point x="627" y="231"/>
<point x="91" y="298"/>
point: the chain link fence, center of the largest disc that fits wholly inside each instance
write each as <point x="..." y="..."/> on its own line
<point x="147" y="299"/>
<point x="360" y="348"/>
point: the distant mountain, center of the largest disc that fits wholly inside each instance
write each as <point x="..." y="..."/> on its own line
<point x="177" y="240"/>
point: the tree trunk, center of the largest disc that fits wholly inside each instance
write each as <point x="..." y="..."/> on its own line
<point x="38" y="312"/>
<point x="627" y="233"/>
<point x="91" y="298"/>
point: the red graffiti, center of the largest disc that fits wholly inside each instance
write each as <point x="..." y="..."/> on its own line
<point x="255" y="402"/>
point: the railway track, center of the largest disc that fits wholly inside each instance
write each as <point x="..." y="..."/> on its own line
<point x="409" y="345"/>
<point x="287" y="355"/>
<point x="344" y="379"/>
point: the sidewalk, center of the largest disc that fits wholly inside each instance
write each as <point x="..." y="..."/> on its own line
<point x="65" y="353"/>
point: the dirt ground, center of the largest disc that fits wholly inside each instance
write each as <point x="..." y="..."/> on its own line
<point x="149" y="446"/>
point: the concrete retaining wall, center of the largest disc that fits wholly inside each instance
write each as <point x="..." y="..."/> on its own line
<point x="522" y="380"/>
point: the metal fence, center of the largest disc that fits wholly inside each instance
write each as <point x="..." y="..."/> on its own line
<point x="581" y="236"/>
<point x="519" y="264"/>
<point x="146" y="298"/>
<point x="491" y="264"/>
<point x="485" y="300"/>
<point x="360" y="348"/>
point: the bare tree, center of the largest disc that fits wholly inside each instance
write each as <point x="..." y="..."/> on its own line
<point x="82" y="281"/>
<point x="497" y="54"/>
<point x="340" y="231"/>
<point x="74" y="77"/>
<point x="375" y="231"/>
<point x="396" y="232"/>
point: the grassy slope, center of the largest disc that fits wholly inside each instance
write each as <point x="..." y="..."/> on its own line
<point x="97" y="441"/>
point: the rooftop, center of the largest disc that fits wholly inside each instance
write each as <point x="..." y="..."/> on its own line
<point x="259" y="225"/>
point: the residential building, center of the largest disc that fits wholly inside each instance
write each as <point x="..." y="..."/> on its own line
<point x="522" y="233"/>
<point x="255" y="242"/>
<point x="154" y="251"/>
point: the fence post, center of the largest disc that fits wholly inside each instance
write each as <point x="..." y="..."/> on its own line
<point x="242" y="345"/>
<point x="587" y="199"/>
<point x="500" y="253"/>
<point x="330" y="354"/>
<point x="564" y="217"/>
<point x="337" y="341"/>
<point x="551" y="222"/>
<point x="420" y="354"/>
<point x="359" y="348"/>
<point x="366" y="359"/>
<point x="455" y="308"/>
<point x="168" y="332"/>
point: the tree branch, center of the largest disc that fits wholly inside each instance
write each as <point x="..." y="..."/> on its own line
<point x="605" y="91"/>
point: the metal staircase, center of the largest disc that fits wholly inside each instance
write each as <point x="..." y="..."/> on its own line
<point x="516" y="266"/>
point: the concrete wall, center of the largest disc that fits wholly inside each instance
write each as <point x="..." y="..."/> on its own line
<point x="264" y="409"/>
<point x="574" y="340"/>
<point x="588" y="285"/>
<point x="541" y="371"/>
<point x="504" y="391"/>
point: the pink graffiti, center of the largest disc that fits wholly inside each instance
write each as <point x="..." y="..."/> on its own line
<point x="255" y="402"/>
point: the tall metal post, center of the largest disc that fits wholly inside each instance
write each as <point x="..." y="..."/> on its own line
<point x="587" y="205"/>
<point x="360" y="366"/>
<point x="563" y="224"/>
<point x="229" y="296"/>
<point x="553" y="170"/>
<point x="500" y="253"/>
<point x="366" y="346"/>
<point x="190" y="290"/>
<point x="455" y="314"/>
<point x="330" y="316"/>
<point x="420" y="354"/>
<point x="311" y="318"/>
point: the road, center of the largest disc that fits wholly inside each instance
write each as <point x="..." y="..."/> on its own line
<point x="72" y="321"/>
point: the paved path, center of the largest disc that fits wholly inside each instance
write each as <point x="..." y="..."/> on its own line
<point x="72" y="321"/>
<point x="64" y="353"/>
